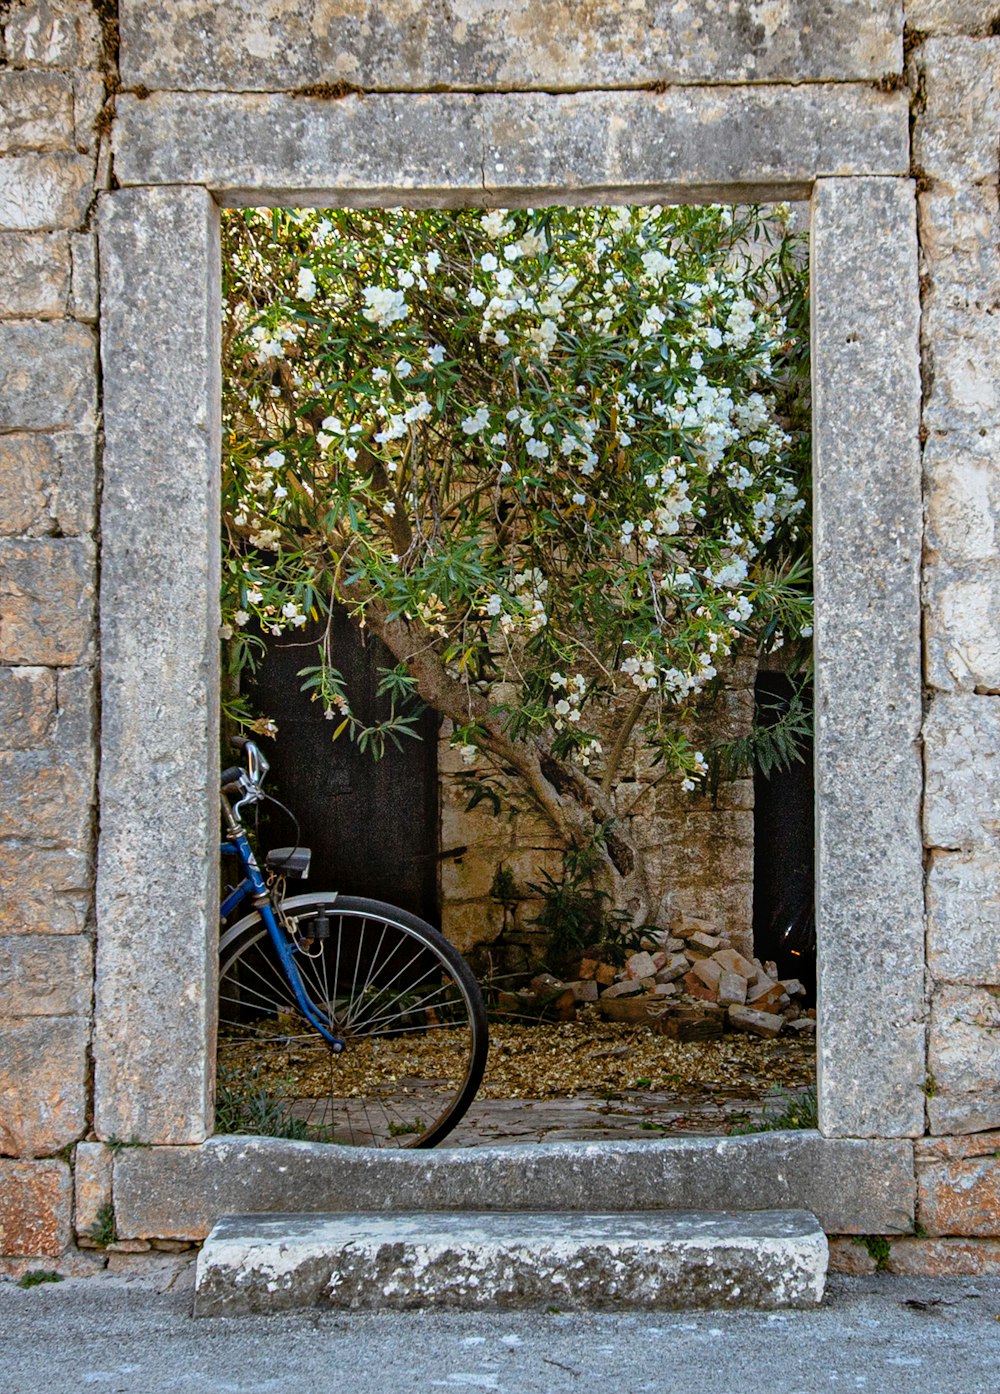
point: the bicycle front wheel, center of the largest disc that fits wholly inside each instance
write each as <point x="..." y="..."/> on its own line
<point x="394" y="990"/>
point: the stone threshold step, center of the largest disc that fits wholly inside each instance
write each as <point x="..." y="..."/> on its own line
<point x="515" y="1259"/>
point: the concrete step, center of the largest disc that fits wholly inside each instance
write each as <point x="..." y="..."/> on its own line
<point x="506" y="1260"/>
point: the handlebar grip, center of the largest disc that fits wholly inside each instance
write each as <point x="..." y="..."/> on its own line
<point x="230" y="777"/>
<point x="239" y="743"/>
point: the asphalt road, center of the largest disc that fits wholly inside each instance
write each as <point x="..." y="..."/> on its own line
<point x="123" y="1335"/>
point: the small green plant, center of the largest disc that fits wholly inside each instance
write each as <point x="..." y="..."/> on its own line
<point x="401" y="1129"/>
<point x="504" y="887"/>
<point x="102" y="1231"/>
<point x="797" y="1111"/>
<point x="244" y="1103"/>
<point x="36" y="1276"/>
<point x="117" y="1143"/>
<point x="930" y="1086"/>
<point x="878" y="1247"/>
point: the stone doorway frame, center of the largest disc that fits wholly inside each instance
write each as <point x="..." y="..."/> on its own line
<point x="178" y="157"/>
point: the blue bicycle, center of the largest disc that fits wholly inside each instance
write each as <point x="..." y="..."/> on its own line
<point x="357" y="1021"/>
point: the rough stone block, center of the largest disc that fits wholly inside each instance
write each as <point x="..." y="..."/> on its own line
<point x="267" y="44"/>
<point x="44" y="890"/>
<point x="160" y="281"/>
<point x="962" y="758"/>
<point x="36" y="112"/>
<point x="755" y="1021"/>
<point x="48" y="192"/>
<point x="868" y="525"/>
<point x="43" y="1083"/>
<point x="955" y="138"/>
<point x="949" y="16"/>
<point x="963" y="1063"/>
<point x="47" y="588"/>
<point x="47" y="376"/>
<point x="640" y="144"/>
<point x="45" y="976"/>
<point x="962" y="487"/>
<point x="960" y="635"/>
<point x="47" y="484"/>
<point x="36" y="274"/>
<point x="53" y="34"/>
<point x="962" y="365"/>
<point x="852" y="1186"/>
<point x="48" y="793"/>
<point x="963" y="917"/>
<point x="35" y="1205"/>
<point x="958" y="1185"/>
<point x="471" y="923"/>
<point x="91" y="1183"/>
<point x="488" y="1261"/>
<point x="27" y="707"/>
<point x="732" y="989"/>
<point x="687" y="139"/>
<point x="83" y="302"/>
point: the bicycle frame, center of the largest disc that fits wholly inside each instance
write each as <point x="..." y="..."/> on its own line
<point x="254" y="888"/>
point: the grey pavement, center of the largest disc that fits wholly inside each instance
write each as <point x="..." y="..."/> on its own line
<point x="122" y="1334"/>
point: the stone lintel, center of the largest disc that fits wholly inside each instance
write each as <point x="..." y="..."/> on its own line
<point x="866" y="418"/>
<point x="853" y="1186"/>
<point x="509" y="44"/>
<point x="450" y="149"/>
<point x="157" y="891"/>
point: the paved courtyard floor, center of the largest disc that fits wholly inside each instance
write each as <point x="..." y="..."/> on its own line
<point x="876" y="1335"/>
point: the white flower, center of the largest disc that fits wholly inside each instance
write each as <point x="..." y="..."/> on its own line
<point x="472" y="425"/>
<point x="274" y="461"/>
<point x="432" y="261"/>
<point x="254" y="596"/>
<point x="469" y="753"/>
<point x="488" y="261"/>
<point x="379" y="374"/>
<point x="403" y="368"/>
<point x="580" y="499"/>
<point x="562" y="707"/>
<point x="499" y="440"/>
<point x="389" y="508"/>
<point x="280" y="492"/>
<point x="557" y="679"/>
<point x="435" y="354"/>
<point x="307" y="283"/>
<point x="384" y="306"/>
<point x="241" y="618"/>
<point x="537" y="448"/>
<point x="494" y="605"/>
<point x="476" y="297"/>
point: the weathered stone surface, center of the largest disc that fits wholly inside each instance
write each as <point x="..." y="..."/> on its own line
<point x="52" y="33"/>
<point x="270" y="45"/>
<point x="963" y="1063"/>
<point x="36" y="112"/>
<point x="962" y="487"/>
<point x="47" y="375"/>
<point x="91" y="1184"/>
<point x="962" y="758"/>
<point x="44" y="890"/>
<point x="160" y="283"/>
<point x="35" y="1205"/>
<point x="83" y="294"/>
<point x="962" y="364"/>
<point x="518" y="1260"/>
<point x="48" y="793"/>
<point x="47" y="483"/>
<point x="688" y="139"/>
<point x="852" y="1186"/>
<point x="958" y="242"/>
<point x="47" y="588"/>
<point x="955" y="137"/>
<point x="638" y="144"/>
<point x="755" y="1021"/>
<point x="920" y="1258"/>
<point x="949" y="16"/>
<point x="958" y="1185"/>
<point x="36" y="274"/>
<point x="42" y="976"/>
<point x="960" y="634"/>
<point x="963" y="917"/>
<point x="48" y="192"/>
<point x="43" y="1081"/>
<point x="27" y="707"/>
<point x="866" y="406"/>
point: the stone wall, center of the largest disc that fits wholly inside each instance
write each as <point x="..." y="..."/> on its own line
<point x="787" y="100"/>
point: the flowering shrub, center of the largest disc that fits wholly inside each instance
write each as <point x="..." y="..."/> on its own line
<point x="556" y="459"/>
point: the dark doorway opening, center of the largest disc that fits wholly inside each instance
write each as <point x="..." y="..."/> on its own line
<point x="784" y="919"/>
<point x="372" y="824"/>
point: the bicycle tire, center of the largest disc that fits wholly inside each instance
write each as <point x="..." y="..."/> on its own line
<point x="399" y="994"/>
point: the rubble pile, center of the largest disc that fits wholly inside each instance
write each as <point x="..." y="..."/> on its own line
<point x="688" y="983"/>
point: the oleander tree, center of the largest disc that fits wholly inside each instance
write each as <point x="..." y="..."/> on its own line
<point x="555" y="459"/>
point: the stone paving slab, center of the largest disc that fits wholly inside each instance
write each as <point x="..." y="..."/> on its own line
<point x="472" y="1262"/>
